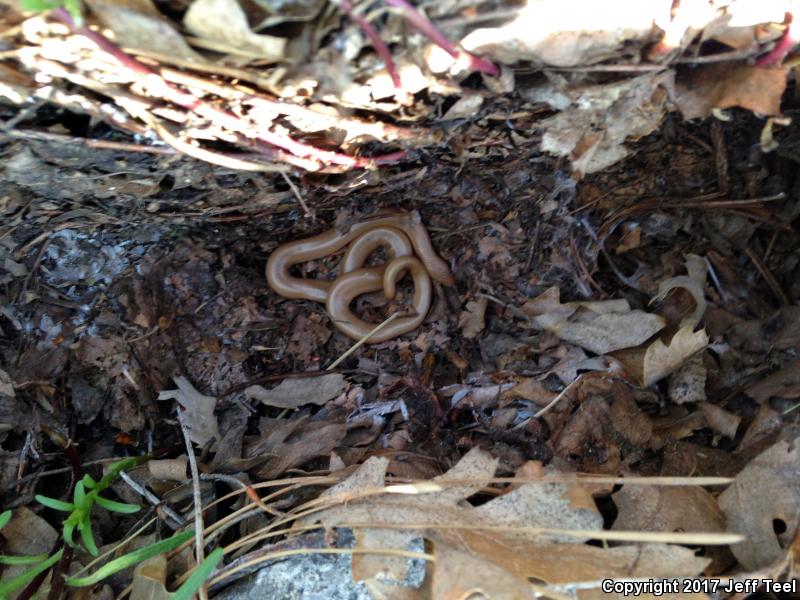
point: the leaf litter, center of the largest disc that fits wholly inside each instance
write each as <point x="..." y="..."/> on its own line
<point x="618" y="214"/>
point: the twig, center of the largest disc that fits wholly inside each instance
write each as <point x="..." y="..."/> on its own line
<point x="657" y="537"/>
<point x="362" y="341"/>
<point x="375" y="39"/>
<point x="299" y="197"/>
<point x="58" y="138"/>
<point x="421" y="22"/>
<point x="556" y="400"/>
<point x="248" y="490"/>
<point x="214" y="158"/>
<point x="198" y="501"/>
<point x="153" y="499"/>
<point x="718" y="57"/>
<point x="767" y="275"/>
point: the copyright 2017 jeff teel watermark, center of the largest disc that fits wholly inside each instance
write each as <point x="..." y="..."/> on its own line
<point x="659" y="587"/>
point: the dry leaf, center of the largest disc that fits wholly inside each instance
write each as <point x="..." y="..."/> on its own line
<point x="593" y="130"/>
<point x="763" y="503"/>
<point x="703" y="88"/>
<point x="631" y="239"/>
<point x="720" y="420"/>
<point x="465" y="107"/>
<point x="692" y="283"/>
<point x="498" y="567"/>
<point x="472" y="319"/>
<point x="763" y="429"/>
<point x="224" y="22"/>
<point x="288" y="443"/>
<point x="198" y="411"/>
<point x="605" y="332"/>
<point x="609" y="332"/>
<point x="138" y="24"/>
<point x="651" y="363"/>
<point x="531" y="389"/>
<point x="150" y="578"/>
<point x="499" y="563"/>
<point x="309" y="333"/>
<point x="293" y="393"/>
<point x="781" y="384"/>
<point x="662" y="508"/>
<point x="662" y="359"/>
<point x="599" y="326"/>
<point x="169" y="469"/>
<point x="528" y="505"/>
<point x="26" y="534"/>
<point x="567" y="33"/>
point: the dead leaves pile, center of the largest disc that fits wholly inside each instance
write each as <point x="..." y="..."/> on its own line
<point x="498" y="548"/>
<point x="629" y="337"/>
<point x="302" y="80"/>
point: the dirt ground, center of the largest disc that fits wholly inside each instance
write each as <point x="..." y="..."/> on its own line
<point x="124" y="270"/>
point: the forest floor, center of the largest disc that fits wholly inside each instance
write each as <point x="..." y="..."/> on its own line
<point x="639" y="321"/>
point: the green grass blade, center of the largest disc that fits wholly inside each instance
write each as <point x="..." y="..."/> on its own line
<point x="130" y="559"/>
<point x="118" y="507"/>
<point x="5" y="517"/>
<point x="22" y="560"/>
<point x="23" y="579"/>
<point x="54" y="504"/>
<point x="198" y="576"/>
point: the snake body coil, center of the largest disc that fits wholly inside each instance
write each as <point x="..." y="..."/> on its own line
<point x="409" y="248"/>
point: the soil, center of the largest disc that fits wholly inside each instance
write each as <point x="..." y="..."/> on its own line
<point x="124" y="270"/>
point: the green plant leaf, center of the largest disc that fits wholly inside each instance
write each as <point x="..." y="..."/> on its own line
<point x="69" y="529"/>
<point x="80" y="494"/>
<point x="22" y="560"/>
<point x="89" y="482"/>
<point x="88" y="538"/>
<point x="23" y="579"/>
<point x="119" y="507"/>
<point x="39" y="5"/>
<point x="5" y="517"/>
<point x="198" y="576"/>
<point x="55" y="504"/>
<point x="130" y="559"/>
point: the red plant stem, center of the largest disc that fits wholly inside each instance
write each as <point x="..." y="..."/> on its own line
<point x="375" y="39"/>
<point x="786" y="42"/>
<point x="418" y="20"/>
<point x="221" y="117"/>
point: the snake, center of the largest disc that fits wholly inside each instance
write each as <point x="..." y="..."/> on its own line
<point x="409" y="249"/>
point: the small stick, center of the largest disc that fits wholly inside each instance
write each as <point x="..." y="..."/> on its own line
<point x="375" y="39"/>
<point x="362" y="341"/>
<point x="299" y="197"/>
<point x="152" y="499"/>
<point x="214" y="158"/>
<point x="767" y="275"/>
<point x="198" y="502"/>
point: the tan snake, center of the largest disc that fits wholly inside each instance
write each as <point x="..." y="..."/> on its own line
<point x="410" y="251"/>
